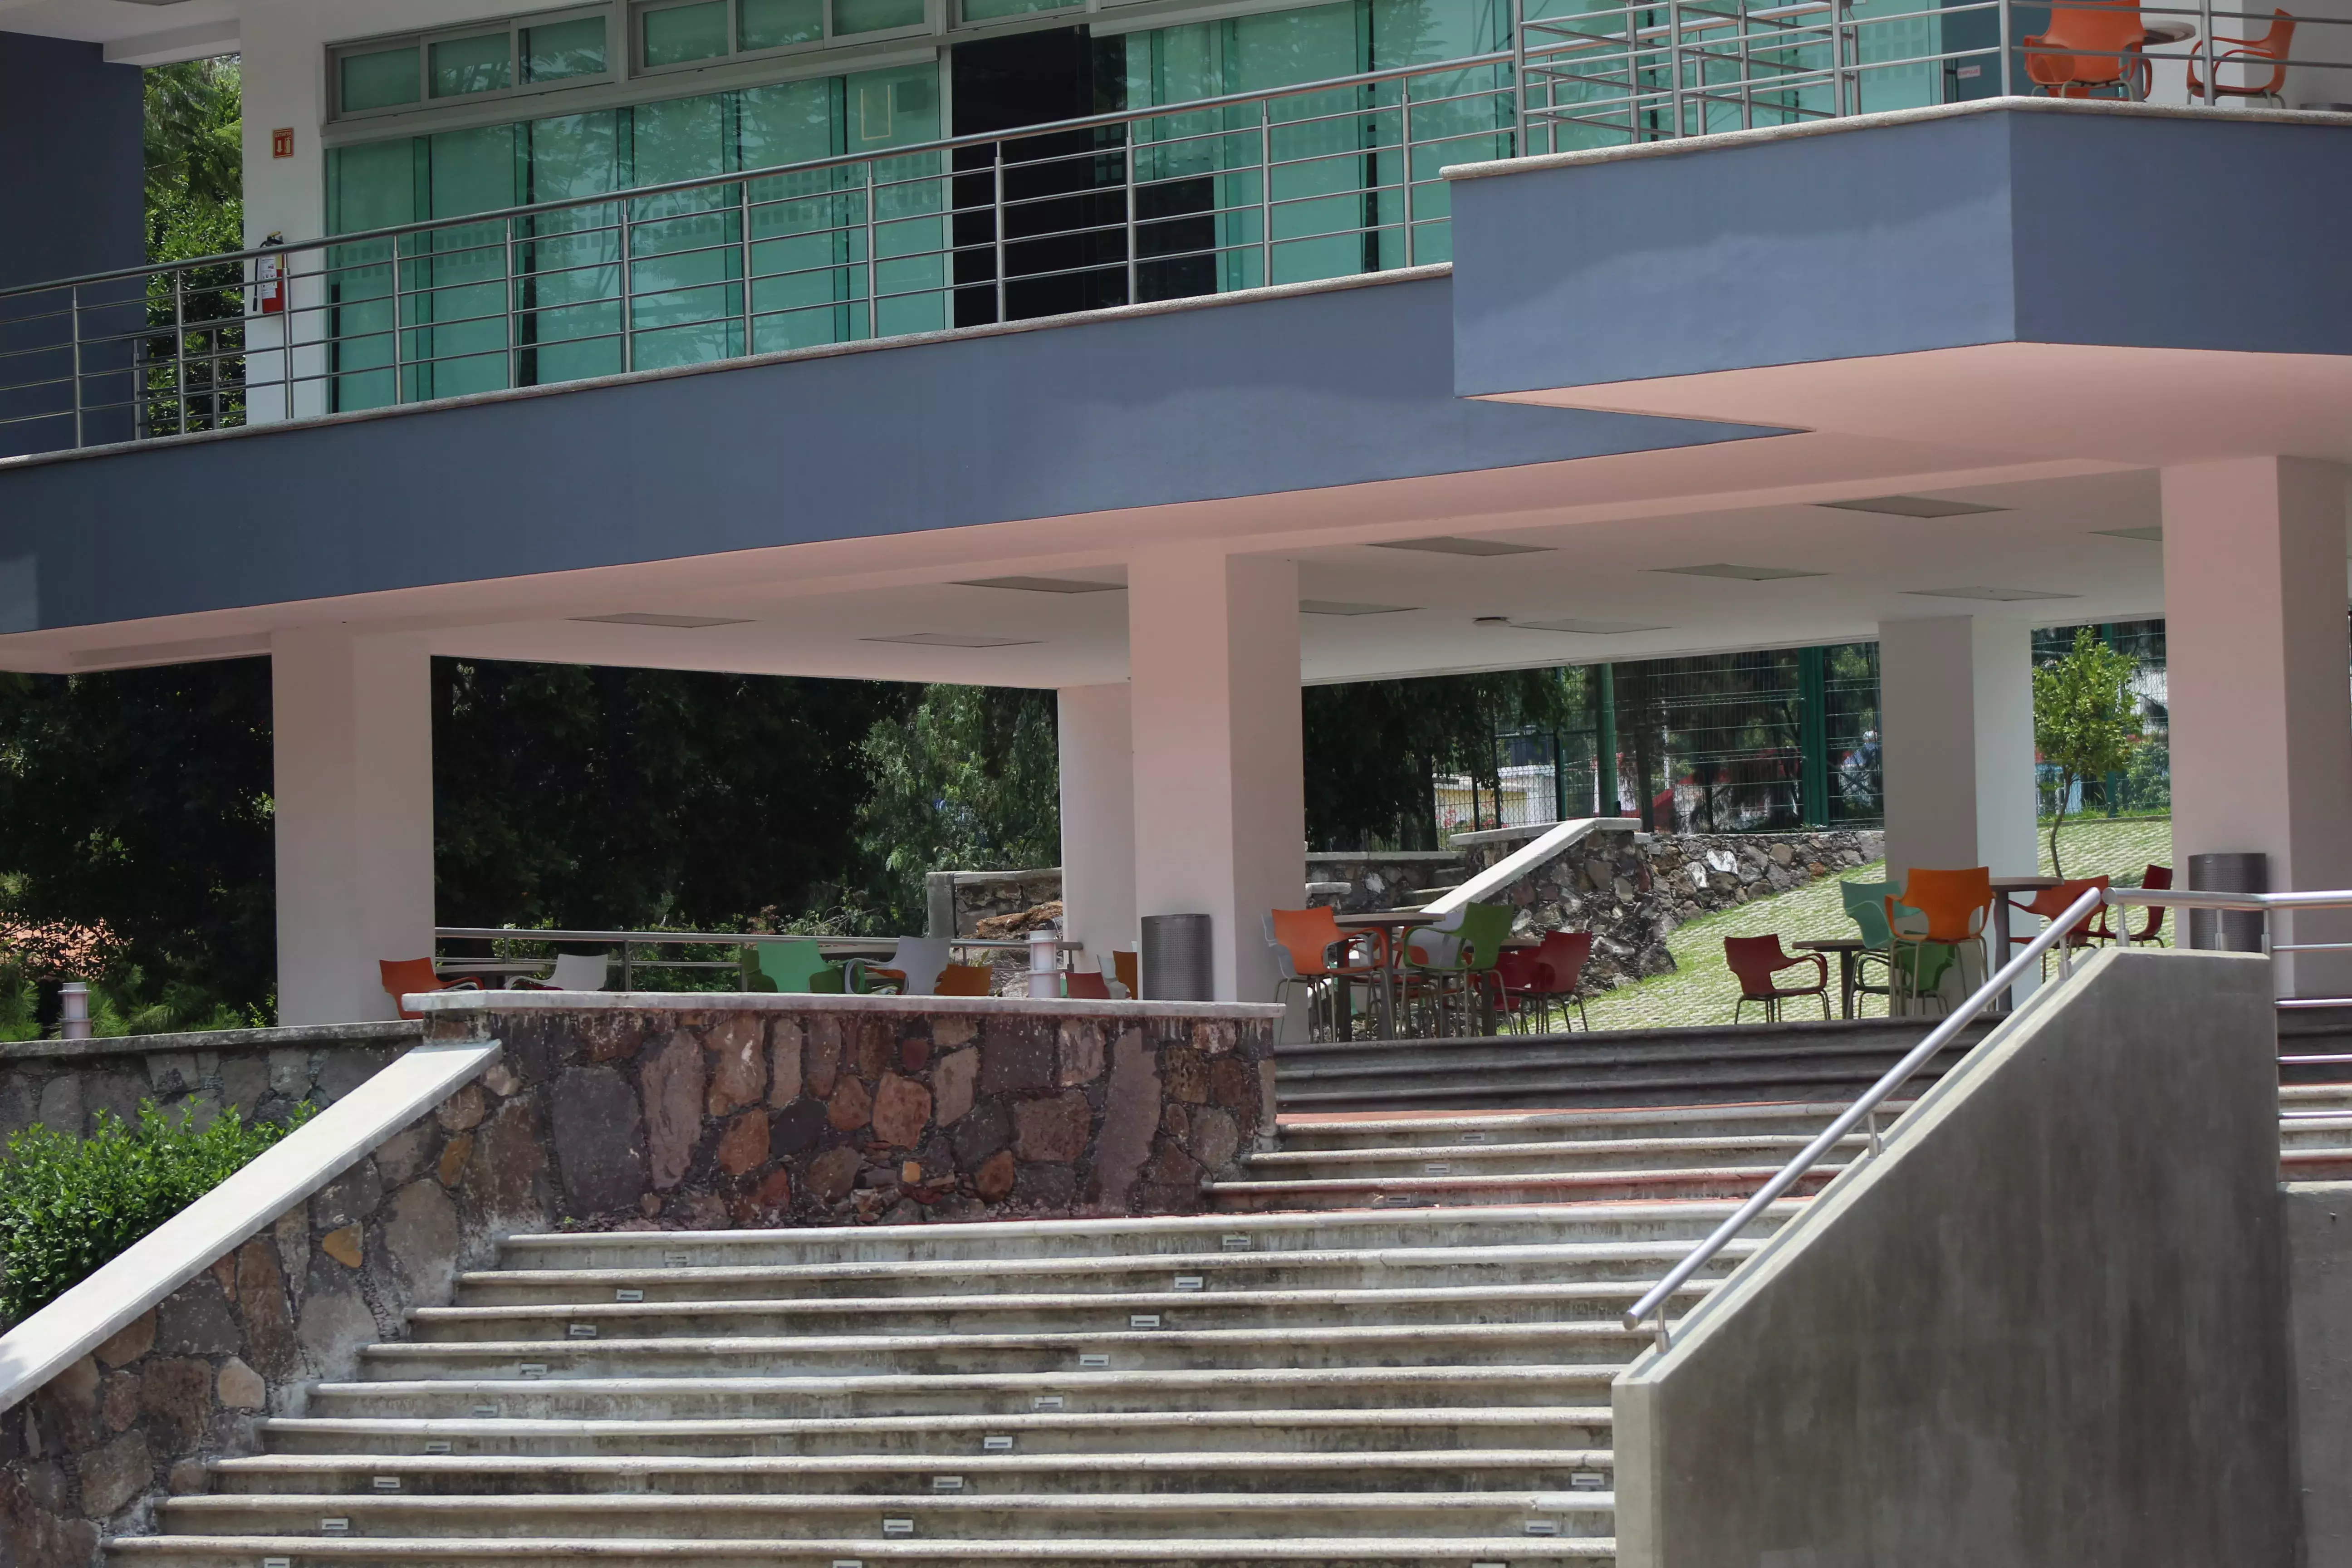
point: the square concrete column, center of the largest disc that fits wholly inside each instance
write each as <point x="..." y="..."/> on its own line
<point x="353" y="720"/>
<point x="1220" y="797"/>
<point x="1956" y="734"/>
<point x="2256" y="654"/>
<point x="1097" y="760"/>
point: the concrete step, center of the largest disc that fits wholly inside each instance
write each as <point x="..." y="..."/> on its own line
<point x="1328" y="1347"/>
<point x="928" y="1516"/>
<point x="1304" y="1132"/>
<point x="1111" y="1471"/>
<point x="1453" y="1385"/>
<point x="1286" y="1431"/>
<point x="1443" y="1088"/>
<point x="1031" y="1239"/>
<point x="1762" y="1151"/>
<point x="1087" y="1313"/>
<point x="1450" y="1192"/>
<point x="1082" y="1551"/>
<point x="1333" y="1268"/>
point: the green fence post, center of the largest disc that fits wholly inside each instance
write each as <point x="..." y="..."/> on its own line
<point x="1812" y="739"/>
<point x="1604" y="741"/>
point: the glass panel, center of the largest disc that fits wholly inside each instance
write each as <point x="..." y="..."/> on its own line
<point x="568" y="282"/>
<point x="369" y="187"/>
<point x="459" y="336"/>
<point x="773" y="24"/>
<point x="684" y="32"/>
<point x="901" y="108"/>
<point x="379" y="81"/>
<point x="686" y="255"/>
<point x="478" y="64"/>
<point x="872" y="15"/>
<point x="556" y="50"/>
<point x="988" y="10"/>
<point x="808" y="230"/>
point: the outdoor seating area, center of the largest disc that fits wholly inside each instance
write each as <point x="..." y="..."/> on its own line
<point x="1415" y="972"/>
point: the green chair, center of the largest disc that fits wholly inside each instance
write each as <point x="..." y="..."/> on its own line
<point x="1866" y="905"/>
<point x="1462" y="961"/>
<point x="797" y="966"/>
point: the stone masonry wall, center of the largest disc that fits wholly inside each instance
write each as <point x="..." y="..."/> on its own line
<point x="642" y="1112"/>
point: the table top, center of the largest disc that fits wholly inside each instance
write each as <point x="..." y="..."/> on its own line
<point x="2168" y="32"/>
<point x="1832" y="944"/>
<point x="1390" y="918"/>
<point x="2024" y="884"/>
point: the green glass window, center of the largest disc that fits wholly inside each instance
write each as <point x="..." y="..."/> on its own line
<point x="681" y="33"/>
<point x="378" y="80"/>
<point x="556" y="50"/>
<point x="478" y="64"/>
<point x="773" y="24"/>
<point x="988" y="10"/>
<point x="873" y="15"/>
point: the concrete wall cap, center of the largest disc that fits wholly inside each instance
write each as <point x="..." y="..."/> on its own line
<point x="494" y="1002"/>
<point x="393" y="1030"/>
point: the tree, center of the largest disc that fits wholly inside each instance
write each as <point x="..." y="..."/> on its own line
<point x="2085" y="719"/>
<point x="967" y="779"/>
<point x="1373" y="748"/>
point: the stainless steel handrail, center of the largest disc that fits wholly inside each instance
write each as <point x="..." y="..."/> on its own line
<point x="1865" y="1109"/>
<point x="1652" y="1303"/>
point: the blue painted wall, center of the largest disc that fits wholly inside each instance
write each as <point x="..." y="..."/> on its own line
<point x="1994" y="227"/>
<point x="71" y="173"/>
<point x="1225" y="401"/>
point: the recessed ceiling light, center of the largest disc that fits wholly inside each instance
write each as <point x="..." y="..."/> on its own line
<point x="1743" y="573"/>
<point x="1998" y="595"/>
<point x="1446" y="545"/>
<point x="1586" y="628"/>
<point x="2153" y="535"/>
<point x="681" y="623"/>
<point x="1912" y="506"/>
<point x="1344" y="607"/>
<point x="954" y="639"/>
<point x="1044" y="585"/>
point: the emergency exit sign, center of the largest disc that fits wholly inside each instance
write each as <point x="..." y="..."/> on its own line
<point x="281" y="142"/>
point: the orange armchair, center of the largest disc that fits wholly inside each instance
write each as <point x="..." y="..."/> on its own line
<point x="409" y="976"/>
<point x="2051" y="902"/>
<point x="1956" y="906"/>
<point x="2088" y="47"/>
<point x="2272" y="47"/>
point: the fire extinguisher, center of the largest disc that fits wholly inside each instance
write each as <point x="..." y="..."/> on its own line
<point x="268" y="275"/>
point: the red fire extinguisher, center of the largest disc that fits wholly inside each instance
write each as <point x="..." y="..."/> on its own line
<point x="268" y="275"/>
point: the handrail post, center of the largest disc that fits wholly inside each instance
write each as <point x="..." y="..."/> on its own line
<point x="1265" y="192"/>
<point x="743" y="235"/>
<point x="1134" y="266"/>
<point x="180" y="345"/>
<point x="73" y="326"/>
<point x="2205" y="45"/>
<point x="628" y="289"/>
<point x="2000" y="9"/>
<point x="996" y="221"/>
<point x="1519" y="148"/>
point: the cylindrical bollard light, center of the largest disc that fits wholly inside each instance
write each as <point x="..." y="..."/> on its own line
<point x="1175" y="959"/>
<point x="1044" y="962"/>
<point x="2228" y="930"/>
<point x="73" y="1015"/>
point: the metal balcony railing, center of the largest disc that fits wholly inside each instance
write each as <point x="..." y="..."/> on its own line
<point x="1321" y="180"/>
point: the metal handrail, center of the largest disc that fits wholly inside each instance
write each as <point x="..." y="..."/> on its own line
<point x="1652" y="1303"/>
<point x="1866" y="1107"/>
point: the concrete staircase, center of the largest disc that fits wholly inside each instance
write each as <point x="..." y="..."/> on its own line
<point x="1391" y="1345"/>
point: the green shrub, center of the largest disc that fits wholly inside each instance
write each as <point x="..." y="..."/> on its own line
<point x="69" y="1205"/>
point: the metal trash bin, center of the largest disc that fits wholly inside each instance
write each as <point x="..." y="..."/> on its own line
<point x="2228" y="930"/>
<point x="1175" y="959"/>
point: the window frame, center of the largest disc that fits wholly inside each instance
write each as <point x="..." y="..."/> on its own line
<point x="932" y="24"/>
<point x="423" y="40"/>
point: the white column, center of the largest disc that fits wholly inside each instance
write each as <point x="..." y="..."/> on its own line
<point x="1956" y="733"/>
<point x="352" y="741"/>
<point x="1220" y="797"/>
<point x="1097" y="820"/>
<point x="2256" y="653"/>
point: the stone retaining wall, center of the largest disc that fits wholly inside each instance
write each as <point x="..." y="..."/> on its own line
<point x="638" y="1111"/>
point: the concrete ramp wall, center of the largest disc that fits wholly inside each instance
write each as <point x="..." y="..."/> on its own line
<point x="2042" y="1330"/>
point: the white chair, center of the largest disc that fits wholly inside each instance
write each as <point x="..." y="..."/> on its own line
<point x="920" y="958"/>
<point x="572" y="971"/>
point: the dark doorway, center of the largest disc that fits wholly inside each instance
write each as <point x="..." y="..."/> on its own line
<point x="1065" y="242"/>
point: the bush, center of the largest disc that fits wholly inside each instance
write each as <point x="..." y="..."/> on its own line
<point x="69" y="1205"/>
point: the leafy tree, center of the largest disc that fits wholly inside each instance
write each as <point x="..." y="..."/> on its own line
<point x="1374" y="748"/>
<point x="2084" y="718"/>
<point x="195" y="149"/>
<point x="194" y="208"/>
<point x="967" y="779"/>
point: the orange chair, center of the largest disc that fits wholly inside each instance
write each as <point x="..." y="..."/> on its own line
<point x="1302" y="940"/>
<point x="1956" y="906"/>
<point x="2051" y="902"/>
<point x="1756" y="959"/>
<point x="1086" y="985"/>
<point x="1122" y="969"/>
<point x="964" y="980"/>
<point x="2088" y="47"/>
<point x="2155" y="880"/>
<point x="1549" y="974"/>
<point x="409" y="976"/>
<point x="2273" y="46"/>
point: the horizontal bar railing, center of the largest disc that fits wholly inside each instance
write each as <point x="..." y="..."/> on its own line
<point x="1652" y="1307"/>
<point x="1037" y="945"/>
<point x="1318" y="178"/>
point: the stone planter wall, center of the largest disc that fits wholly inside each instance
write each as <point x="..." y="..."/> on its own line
<point x="638" y="1111"/>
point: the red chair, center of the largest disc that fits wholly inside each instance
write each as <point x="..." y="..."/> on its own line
<point x="2051" y="902"/>
<point x="2155" y="880"/>
<point x="1553" y="973"/>
<point x="2088" y="47"/>
<point x="410" y="976"/>
<point x="2271" y="47"/>
<point x="1758" y="959"/>
<point x="1086" y="985"/>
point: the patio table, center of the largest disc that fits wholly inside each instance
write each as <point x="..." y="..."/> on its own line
<point x="1383" y="923"/>
<point x="2001" y="887"/>
<point x="1849" y="951"/>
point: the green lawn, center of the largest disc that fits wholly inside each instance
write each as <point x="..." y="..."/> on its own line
<point x="1701" y="989"/>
